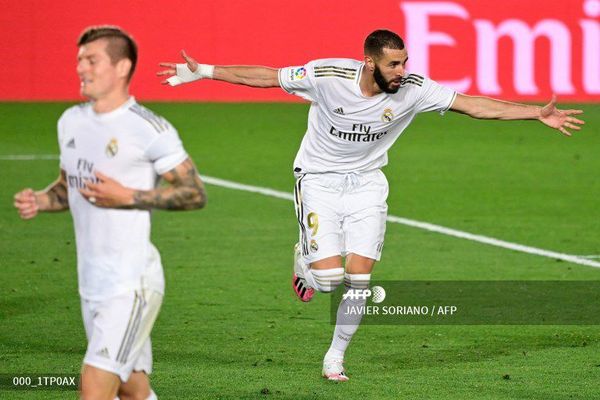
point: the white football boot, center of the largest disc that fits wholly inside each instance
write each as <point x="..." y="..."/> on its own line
<point x="334" y="370"/>
<point x="304" y="292"/>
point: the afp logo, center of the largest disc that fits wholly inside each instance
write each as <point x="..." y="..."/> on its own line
<point x="376" y="293"/>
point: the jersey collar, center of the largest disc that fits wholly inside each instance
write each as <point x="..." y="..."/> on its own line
<point x="117" y="111"/>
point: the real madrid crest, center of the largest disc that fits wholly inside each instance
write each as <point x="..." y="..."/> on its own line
<point x="314" y="247"/>
<point x="387" y="115"/>
<point x="112" y="148"/>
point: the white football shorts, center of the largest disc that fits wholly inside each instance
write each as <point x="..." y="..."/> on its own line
<point x="340" y="214"/>
<point x="118" y="332"/>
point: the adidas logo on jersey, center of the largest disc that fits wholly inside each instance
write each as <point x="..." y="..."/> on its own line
<point x="103" y="353"/>
<point x="71" y="144"/>
<point x="339" y="110"/>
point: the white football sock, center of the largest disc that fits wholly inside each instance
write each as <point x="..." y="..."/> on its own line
<point x="152" y="396"/>
<point x="347" y="324"/>
<point x="326" y="280"/>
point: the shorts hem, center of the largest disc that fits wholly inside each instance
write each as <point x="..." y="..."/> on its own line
<point x="122" y="376"/>
<point x="309" y="260"/>
<point x="375" y="257"/>
<point x="146" y="371"/>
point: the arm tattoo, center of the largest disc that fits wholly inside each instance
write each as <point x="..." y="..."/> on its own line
<point x="185" y="192"/>
<point x="57" y="195"/>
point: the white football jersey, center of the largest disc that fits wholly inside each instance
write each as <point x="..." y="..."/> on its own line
<point x="347" y="131"/>
<point x="133" y="146"/>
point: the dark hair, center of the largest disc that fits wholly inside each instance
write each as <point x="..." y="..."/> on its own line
<point x="380" y="39"/>
<point x="120" y="44"/>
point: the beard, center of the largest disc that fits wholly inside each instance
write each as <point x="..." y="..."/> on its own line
<point x="382" y="83"/>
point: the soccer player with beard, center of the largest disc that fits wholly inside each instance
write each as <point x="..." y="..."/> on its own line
<point x="358" y="110"/>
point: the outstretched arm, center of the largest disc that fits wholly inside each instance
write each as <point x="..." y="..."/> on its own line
<point x="488" y="108"/>
<point x="184" y="192"/>
<point x="254" y="76"/>
<point x="53" y="198"/>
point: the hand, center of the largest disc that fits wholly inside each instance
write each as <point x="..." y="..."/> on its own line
<point x="178" y="69"/>
<point x="560" y="119"/>
<point x="107" y="192"/>
<point x="26" y="203"/>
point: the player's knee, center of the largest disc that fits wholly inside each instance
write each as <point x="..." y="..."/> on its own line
<point x="152" y="396"/>
<point x="94" y="393"/>
<point x="137" y="387"/>
<point x="327" y="280"/>
<point x="137" y="396"/>
<point x="98" y="384"/>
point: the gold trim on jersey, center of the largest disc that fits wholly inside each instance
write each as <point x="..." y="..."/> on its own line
<point x="334" y="67"/>
<point x="413" y="79"/>
<point x="335" y="75"/>
<point x="157" y="122"/>
<point x="340" y="72"/>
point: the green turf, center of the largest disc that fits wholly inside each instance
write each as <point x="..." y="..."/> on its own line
<point x="230" y="327"/>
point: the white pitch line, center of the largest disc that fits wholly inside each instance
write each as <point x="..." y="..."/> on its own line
<point x="248" y="188"/>
<point x="422" y="225"/>
<point x="494" y="242"/>
<point x="581" y="260"/>
<point x="29" y="157"/>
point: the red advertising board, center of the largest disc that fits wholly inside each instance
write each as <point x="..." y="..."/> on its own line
<point x="514" y="49"/>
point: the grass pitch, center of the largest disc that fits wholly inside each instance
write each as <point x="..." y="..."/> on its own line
<point x="230" y="327"/>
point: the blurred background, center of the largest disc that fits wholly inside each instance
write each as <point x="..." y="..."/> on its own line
<point x="514" y="49"/>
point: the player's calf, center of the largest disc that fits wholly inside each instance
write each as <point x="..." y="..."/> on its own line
<point x="346" y="325"/>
